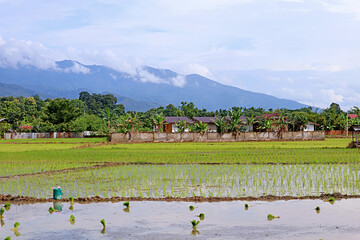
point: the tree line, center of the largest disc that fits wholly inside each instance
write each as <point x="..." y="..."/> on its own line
<point x="100" y="113"/>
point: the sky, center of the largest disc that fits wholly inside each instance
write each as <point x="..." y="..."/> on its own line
<point x="304" y="50"/>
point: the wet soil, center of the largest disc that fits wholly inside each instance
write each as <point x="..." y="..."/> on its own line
<point x="97" y="199"/>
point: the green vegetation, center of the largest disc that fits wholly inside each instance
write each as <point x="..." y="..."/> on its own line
<point x="71" y="200"/>
<point x="2" y="212"/>
<point x="246" y="206"/>
<point x="16" y="225"/>
<point x="194" y="223"/>
<point x="246" y="168"/>
<point x="271" y="217"/>
<point x="100" y="114"/>
<point x="72" y="219"/>
<point x="202" y="216"/>
<point x="191" y="208"/>
<point x="51" y="210"/>
<point x="126" y="204"/>
<point x="331" y="199"/>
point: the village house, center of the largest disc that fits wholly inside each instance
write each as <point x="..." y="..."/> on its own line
<point x="273" y="117"/>
<point x="311" y="127"/>
<point x="170" y="124"/>
<point x="210" y="121"/>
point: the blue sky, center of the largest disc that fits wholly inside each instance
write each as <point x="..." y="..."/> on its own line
<point x="216" y="38"/>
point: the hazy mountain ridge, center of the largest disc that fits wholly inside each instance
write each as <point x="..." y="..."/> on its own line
<point x="149" y="87"/>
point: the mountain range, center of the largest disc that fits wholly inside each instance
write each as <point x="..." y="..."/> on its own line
<point x="141" y="90"/>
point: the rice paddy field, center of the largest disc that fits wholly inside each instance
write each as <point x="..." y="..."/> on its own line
<point x="92" y="167"/>
<point x="93" y="170"/>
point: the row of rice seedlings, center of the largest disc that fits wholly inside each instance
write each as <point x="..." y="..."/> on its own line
<point x="193" y="180"/>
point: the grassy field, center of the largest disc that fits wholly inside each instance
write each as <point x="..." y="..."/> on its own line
<point x="89" y="167"/>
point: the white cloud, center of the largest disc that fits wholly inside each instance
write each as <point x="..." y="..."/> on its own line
<point x="330" y="95"/>
<point x="197" y="69"/>
<point x="344" y="6"/>
<point x="178" y="81"/>
<point x="14" y="53"/>
<point x="77" y="68"/>
<point x="144" y="76"/>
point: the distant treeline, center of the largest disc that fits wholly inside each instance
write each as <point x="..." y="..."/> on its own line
<point x="100" y="113"/>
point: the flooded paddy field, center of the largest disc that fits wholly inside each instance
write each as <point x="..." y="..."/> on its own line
<point x="182" y="181"/>
<point x="165" y="179"/>
<point x="171" y="220"/>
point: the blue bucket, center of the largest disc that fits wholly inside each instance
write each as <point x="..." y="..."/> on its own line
<point x="57" y="193"/>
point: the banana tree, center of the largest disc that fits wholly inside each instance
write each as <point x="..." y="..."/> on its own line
<point x="250" y="121"/>
<point x="158" y="121"/>
<point x="235" y="117"/>
<point x="181" y="125"/>
<point x="201" y="127"/>
<point x="221" y="125"/>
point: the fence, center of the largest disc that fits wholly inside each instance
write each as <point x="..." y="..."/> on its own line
<point x="215" y="137"/>
<point x="43" y="135"/>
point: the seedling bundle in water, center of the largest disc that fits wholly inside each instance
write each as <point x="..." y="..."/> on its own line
<point x="271" y="217"/>
<point x="202" y="216"/>
<point x="102" y="221"/>
<point x="191" y="207"/>
<point x="194" y="223"/>
<point x="331" y="200"/>
<point x="71" y="200"/>
<point x="1" y="212"/>
<point x="126" y="204"/>
<point x="7" y="206"/>
<point x="51" y="210"/>
<point x="72" y="219"/>
<point x="317" y="209"/>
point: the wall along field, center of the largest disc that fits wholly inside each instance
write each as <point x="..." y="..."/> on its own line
<point x="90" y="167"/>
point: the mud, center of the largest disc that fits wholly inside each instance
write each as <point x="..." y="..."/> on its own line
<point x="25" y="199"/>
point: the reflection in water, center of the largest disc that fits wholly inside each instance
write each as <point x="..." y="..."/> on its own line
<point x="16" y="233"/>
<point x="195" y="232"/>
<point x="103" y="230"/>
<point x="2" y="223"/>
<point x="58" y="206"/>
<point x="127" y="209"/>
<point x="71" y="207"/>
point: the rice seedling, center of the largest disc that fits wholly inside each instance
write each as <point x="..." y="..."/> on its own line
<point x="202" y="216"/>
<point x="2" y="213"/>
<point x="16" y="225"/>
<point x="51" y="210"/>
<point x="71" y="200"/>
<point x="126" y="204"/>
<point x="271" y="217"/>
<point x="72" y="219"/>
<point x="102" y="221"/>
<point x="194" y="223"/>
<point x="317" y="209"/>
<point x="191" y="208"/>
<point x="246" y="206"/>
<point x="7" y="238"/>
<point x="331" y="200"/>
<point x="7" y="206"/>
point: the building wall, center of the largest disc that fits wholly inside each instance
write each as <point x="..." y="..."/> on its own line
<point x="216" y="137"/>
<point x="309" y="128"/>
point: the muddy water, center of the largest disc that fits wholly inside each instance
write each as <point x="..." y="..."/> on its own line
<point x="171" y="220"/>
